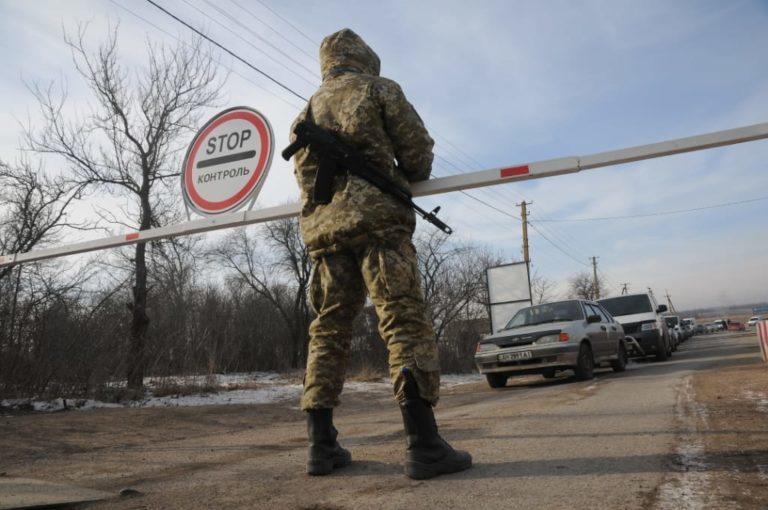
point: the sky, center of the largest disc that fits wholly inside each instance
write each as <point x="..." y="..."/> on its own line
<point x="498" y="83"/>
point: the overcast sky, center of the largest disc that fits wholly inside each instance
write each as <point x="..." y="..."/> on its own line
<point x="502" y="83"/>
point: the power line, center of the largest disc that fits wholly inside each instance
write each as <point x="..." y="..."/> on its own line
<point x="233" y="54"/>
<point x="246" y="41"/>
<point x="259" y="37"/>
<point x="473" y="162"/>
<point x="558" y="247"/>
<point x="660" y="213"/>
<point x="308" y="38"/>
<point x="267" y="25"/>
<point x="180" y="41"/>
<point x="505" y="213"/>
<point x="548" y="229"/>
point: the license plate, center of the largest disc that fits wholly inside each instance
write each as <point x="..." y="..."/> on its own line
<point x="515" y="356"/>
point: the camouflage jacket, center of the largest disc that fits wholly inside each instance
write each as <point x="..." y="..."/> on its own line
<point x="372" y="114"/>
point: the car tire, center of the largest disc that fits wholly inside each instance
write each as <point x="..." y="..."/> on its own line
<point x="585" y="364"/>
<point x="549" y="373"/>
<point x="620" y="364"/>
<point x="496" y="380"/>
<point x="662" y="349"/>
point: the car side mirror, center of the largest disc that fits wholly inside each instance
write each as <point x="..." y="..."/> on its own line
<point x="662" y="309"/>
<point x="591" y="319"/>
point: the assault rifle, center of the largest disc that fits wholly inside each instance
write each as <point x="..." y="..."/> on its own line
<point x="337" y="157"/>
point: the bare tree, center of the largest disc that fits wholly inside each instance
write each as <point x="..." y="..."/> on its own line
<point x="32" y="208"/>
<point x="278" y="271"/>
<point x="130" y="141"/>
<point x="453" y="278"/>
<point x="542" y="289"/>
<point x="582" y="286"/>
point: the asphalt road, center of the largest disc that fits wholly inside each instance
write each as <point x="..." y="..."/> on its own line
<point x="614" y="442"/>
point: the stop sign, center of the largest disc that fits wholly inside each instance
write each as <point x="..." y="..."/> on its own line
<point x="227" y="162"/>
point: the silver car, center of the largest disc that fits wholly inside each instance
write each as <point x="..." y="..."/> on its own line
<point x="573" y="335"/>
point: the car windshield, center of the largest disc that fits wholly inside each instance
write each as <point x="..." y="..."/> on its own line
<point x="550" y="312"/>
<point x="627" y="305"/>
<point x="671" y="321"/>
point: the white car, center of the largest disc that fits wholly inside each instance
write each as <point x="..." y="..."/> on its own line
<point x="641" y="318"/>
<point x="754" y="320"/>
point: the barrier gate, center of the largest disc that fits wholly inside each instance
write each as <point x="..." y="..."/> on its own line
<point x="469" y="180"/>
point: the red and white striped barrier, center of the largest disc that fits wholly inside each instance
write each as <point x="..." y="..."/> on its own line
<point x="762" y="338"/>
<point x="463" y="181"/>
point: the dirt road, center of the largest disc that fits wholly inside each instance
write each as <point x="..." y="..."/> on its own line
<point x="687" y="433"/>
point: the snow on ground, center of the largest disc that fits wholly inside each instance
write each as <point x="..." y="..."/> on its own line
<point x="688" y="487"/>
<point x="451" y="380"/>
<point x="239" y="388"/>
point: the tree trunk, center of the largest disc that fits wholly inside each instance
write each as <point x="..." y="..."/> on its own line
<point x="139" y="319"/>
<point x="139" y="323"/>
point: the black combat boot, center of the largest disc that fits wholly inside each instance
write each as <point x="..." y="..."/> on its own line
<point x="325" y="453"/>
<point x="427" y="454"/>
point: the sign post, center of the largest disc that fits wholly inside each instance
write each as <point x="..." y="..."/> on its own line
<point x="227" y="162"/>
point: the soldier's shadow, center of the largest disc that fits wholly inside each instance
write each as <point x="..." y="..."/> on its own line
<point x="369" y="468"/>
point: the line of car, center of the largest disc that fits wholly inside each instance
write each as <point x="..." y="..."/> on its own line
<point x="581" y="335"/>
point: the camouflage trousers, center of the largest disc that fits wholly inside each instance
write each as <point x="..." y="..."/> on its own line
<point x="387" y="272"/>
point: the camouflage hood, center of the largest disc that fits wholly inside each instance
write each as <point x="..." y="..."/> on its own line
<point x="346" y="50"/>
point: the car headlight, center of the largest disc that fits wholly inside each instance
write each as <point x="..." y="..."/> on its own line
<point x="649" y="326"/>
<point x="486" y="347"/>
<point x="548" y="339"/>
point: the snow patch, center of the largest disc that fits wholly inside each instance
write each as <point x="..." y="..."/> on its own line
<point x="687" y="488"/>
<point x="242" y="388"/>
<point x="451" y="380"/>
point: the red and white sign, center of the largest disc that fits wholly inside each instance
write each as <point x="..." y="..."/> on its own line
<point x="227" y="162"/>
<point x="762" y="337"/>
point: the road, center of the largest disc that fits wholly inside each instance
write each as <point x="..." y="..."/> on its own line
<point x="661" y="435"/>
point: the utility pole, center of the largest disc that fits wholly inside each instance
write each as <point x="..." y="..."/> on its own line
<point x="524" y="218"/>
<point x="526" y="256"/>
<point x="624" y="288"/>
<point x="595" y="284"/>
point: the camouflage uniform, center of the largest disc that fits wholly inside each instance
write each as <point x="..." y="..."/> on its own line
<point x="360" y="242"/>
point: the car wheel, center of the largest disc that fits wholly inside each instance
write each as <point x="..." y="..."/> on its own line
<point x="662" y="350"/>
<point x="549" y="373"/>
<point x="585" y="365"/>
<point x="496" y="380"/>
<point x="620" y="364"/>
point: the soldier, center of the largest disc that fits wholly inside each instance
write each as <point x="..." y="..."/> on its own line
<point x="360" y="244"/>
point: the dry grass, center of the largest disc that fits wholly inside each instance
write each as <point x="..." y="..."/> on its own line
<point x="367" y="373"/>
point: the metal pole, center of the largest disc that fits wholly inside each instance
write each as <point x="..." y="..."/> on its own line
<point x="493" y="176"/>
